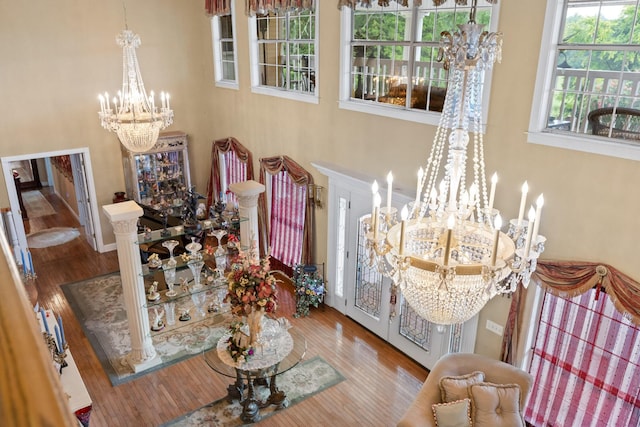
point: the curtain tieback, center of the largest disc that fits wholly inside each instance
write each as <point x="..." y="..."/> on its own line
<point x="601" y="271"/>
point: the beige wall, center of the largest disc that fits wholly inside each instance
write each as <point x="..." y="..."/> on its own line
<point x="57" y="56"/>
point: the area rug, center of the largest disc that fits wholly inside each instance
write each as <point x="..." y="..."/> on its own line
<point x="299" y="383"/>
<point x="98" y="304"/>
<point x="36" y="205"/>
<point x="52" y="237"/>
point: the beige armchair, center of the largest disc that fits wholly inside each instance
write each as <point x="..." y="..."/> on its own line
<point x="454" y="364"/>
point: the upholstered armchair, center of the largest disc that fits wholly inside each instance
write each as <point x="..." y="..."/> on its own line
<point x="420" y="413"/>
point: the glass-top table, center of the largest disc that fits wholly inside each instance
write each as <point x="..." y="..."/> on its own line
<point x="261" y="369"/>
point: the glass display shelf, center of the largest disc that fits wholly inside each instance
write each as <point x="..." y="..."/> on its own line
<point x="188" y="307"/>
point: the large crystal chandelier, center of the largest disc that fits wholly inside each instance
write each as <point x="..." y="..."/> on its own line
<point x="133" y="114"/>
<point x="447" y="252"/>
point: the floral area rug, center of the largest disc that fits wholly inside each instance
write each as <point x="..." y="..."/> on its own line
<point x="98" y="304"/>
<point x="52" y="237"/>
<point x="301" y="382"/>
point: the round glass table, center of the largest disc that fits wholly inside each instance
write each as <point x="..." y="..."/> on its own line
<point x="275" y="356"/>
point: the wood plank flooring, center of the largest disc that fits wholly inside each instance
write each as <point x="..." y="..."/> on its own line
<point x="381" y="381"/>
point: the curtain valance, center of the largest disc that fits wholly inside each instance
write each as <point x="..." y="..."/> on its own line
<point x="265" y="6"/>
<point x="567" y="279"/>
<point x="217" y="7"/>
<point x="224" y="146"/>
<point x="384" y="3"/>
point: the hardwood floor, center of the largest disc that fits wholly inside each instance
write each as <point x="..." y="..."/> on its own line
<point x="381" y="381"/>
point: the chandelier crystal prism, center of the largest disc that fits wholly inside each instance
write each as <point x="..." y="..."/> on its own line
<point x="447" y="252"/>
<point x="132" y="114"/>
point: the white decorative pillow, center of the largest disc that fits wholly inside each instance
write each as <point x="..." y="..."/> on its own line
<point x="496" y="405"/>
<point x="455" y="388"/>
<point x="452" y="414"/>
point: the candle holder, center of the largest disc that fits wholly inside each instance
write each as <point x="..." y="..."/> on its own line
<point x="58" y="355"/>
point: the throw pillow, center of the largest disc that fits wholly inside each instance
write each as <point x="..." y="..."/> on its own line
<point x="455" y="388"/>
<point x="496" y="405"/>
<point x="453" y="414"/>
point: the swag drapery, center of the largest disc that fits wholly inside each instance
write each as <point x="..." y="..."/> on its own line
<point x="252" y="7"/>
<point x="384" y="3"/>
<point x="270" y="167"/>
<point x="568" y="279"/>
<point x="221" y="146"/>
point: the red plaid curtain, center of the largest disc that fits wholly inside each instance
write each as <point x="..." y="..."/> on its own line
<point x="235" y="170"/>
<point x="585" y="364"/>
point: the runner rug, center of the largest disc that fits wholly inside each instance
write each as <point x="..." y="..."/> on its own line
<point x="299" y="383"/>
<point x="98" y="304"/>
<point x="36" y="205"/>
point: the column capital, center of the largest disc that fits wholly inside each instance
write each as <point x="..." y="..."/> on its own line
<point x="124" y="216"/>
<point x="247" y="192"/>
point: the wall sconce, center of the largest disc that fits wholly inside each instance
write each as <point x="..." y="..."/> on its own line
<point x="315" y="195"/>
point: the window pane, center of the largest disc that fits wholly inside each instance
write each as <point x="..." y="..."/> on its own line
<point x="394" y="64"/>
<point x="226" y="29"/>
<point x="286" y="44"/>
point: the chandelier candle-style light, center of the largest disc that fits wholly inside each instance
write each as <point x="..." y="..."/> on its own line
<point x="447" y="252"/>
<point x="133" y="114"/>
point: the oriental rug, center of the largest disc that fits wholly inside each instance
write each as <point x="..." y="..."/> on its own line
<point x="98" y="304"/>
<point x="299" y="383"/>
<point x="36" y="204"/>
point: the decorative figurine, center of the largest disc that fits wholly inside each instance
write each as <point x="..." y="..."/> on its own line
<point x="157" y="324"/>
<point x="153" y="294"/>
<point x="184" y="284"/>
<point x="185" y="316"/>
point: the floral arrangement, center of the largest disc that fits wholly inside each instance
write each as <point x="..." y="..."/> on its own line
<point x="240" y="351"/>
<point x="309" y="291"/>
<point x="251" y="285"/>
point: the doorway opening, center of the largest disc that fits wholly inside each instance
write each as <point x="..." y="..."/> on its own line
<point x="66" y="175"/>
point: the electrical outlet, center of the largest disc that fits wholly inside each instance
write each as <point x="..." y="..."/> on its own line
<point x="495" y="328"/>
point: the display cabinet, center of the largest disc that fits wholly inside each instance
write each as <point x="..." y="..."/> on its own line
<point x="159" y="177"/>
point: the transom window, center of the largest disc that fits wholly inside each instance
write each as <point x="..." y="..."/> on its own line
<point x="224" y="50"/>
<point x="593" y="75"/>
<point x="286" y="58"/>
<point x="392" y="54"/>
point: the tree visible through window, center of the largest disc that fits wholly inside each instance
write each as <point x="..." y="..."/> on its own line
<point x="394" y="52"/>
<point x="597" y="69"/>
<point x="287" y="50"/>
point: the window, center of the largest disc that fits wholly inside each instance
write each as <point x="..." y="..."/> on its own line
<point x="585" y="364"/>
<point x="225" y="65"/>
<point x="589" y="78"/>
<point x="390" y="57"/>
<point x="284" y="54"/>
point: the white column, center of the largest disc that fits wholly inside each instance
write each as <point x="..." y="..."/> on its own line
<point x="124" y="218"/>
<point x="247" y="193"/>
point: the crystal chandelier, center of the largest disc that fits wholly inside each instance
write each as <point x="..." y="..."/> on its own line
<point x="447" y="252"/>
<point x="133" y="115"/>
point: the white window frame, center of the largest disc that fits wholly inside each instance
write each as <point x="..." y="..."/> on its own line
<point x="418" y="116"/>
<point x="219" y="79"/>
<point x="254" y="58"/>
<point x="538" y="132"/>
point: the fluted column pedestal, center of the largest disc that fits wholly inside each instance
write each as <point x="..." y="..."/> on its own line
<point x="124" y="219"/>
<point x="247" y="193"/>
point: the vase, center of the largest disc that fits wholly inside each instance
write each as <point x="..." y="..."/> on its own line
<point x="254" y="321"/>
<point x="119" y="196"/>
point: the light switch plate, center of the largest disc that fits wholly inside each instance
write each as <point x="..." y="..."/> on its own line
<point x="494" y="327"/>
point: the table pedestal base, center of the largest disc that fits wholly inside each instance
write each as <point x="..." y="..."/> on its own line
<point x="250" y="404"/>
